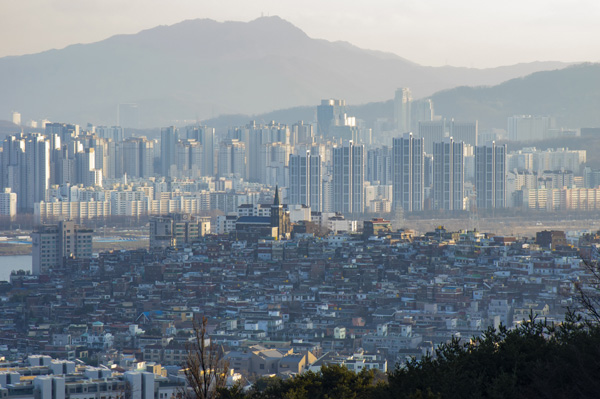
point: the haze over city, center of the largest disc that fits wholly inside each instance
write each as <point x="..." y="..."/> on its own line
<point x="276" y="199"/>
<point x="469" y="33"/>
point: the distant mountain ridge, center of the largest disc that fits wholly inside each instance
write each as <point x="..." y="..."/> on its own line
<point x="572" y="95"/>
<point x="198" y="69"/>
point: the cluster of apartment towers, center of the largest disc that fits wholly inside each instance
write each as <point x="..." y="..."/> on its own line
<point x="335" y="165"/>
<point x="424" y="169"/>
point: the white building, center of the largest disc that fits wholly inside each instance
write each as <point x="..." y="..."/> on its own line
<point x="408" y="172"/>
<point x="8" y="203"/>
<point x="305" y="181"/>
<point x="530" y="127"/>
<point x="349" y="178"/>
<point x="448" y="175"/>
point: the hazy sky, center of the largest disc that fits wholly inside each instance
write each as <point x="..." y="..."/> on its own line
<point x="479" y="33"/>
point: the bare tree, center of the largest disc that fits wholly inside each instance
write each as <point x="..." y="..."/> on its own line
<point x="205" y="369"/>
<point x="589" y="291"/>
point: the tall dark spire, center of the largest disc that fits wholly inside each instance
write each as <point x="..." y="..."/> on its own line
<point x="276" y="199"/>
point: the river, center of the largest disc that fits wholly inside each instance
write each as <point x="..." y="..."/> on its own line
<point x="10" y="263"/>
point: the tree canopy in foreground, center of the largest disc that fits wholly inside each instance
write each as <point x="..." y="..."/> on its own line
<point x="534" y="360"/>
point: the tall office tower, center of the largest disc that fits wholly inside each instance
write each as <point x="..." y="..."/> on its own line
<point x="530" y="127"/>
<point x="330" y="113"/>
<point x="305" y="181"/>
<point x="408" y="164"/>
<point x="402" y="110"/>
<point x="379" y="165"/>
<point x="432" y="132"/>
<point x="349" y="178"/>
<point x="421" y="111"/>
<point x="490" y="176"/>
<point x="169" y="136"/>
<point x="114" y="133"/>
<point x="206" y="137"/>
<point x="464" y="131"/>
<point x="53" y="244"/>
<point x="16" y="118"/>
<point x="232" y="158"/>
<point x="302" y="133"/>
<point x="448" y="175"/>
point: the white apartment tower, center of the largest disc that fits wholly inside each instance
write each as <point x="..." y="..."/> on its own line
<point x="448" y="175"/>
<point x="408" y="173"/>
<point x="490" y="176"/>
<point x="349" y="178"/>
<point x="305" y="181"/>
<point x="8" y="203"/>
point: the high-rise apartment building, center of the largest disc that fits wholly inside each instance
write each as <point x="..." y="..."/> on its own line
<point x="466" y="132"/>
<point x="379" y="165"/>
<point x="331" y="112"/>
<point x="275" y="157"/>
<point x="114" y="133"/>
<point x="26" y="168"/>
<point x="431" y="132"/>
<point x="349" y="178"/>
<point x="255" y="137"/>
<point x="448" y="175"/>
<point x="85" y="168"/>
<point x="66" y="131"/>
<point x="490" y="176"/>
<point x="530" y="127"/>
<point x="169" y="136"/>
<point x="189" y="158"/>
<point x="206" y="137"/>
<point x="302" y="133"/>
<point x="408" y="169"/>
<point x="421" y="111"/>
<point x="305" y="181"/>
<point x="232" y="158"/>
<point x="53" y="244"/>
<point x="8" y="204"/>
<point x="402" y="110"/>
<point x="138" y="157"/>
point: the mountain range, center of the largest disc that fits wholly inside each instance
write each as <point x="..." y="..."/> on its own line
<point x="199" y="69"/>
<point x="571" y="95"/>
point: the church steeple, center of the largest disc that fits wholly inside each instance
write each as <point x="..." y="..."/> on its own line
<point x="276" y="199"/>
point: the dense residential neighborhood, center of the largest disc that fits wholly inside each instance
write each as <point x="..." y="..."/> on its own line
<point x="371" y="299"/>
